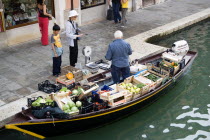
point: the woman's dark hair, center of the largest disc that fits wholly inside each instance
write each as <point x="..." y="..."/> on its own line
<point x="40" y="2"/>
<point x="56" y="27"/>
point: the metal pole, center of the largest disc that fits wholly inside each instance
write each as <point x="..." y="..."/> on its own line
<point x="72" y="4"/>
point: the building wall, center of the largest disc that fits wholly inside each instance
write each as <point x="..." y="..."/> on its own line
<point x="62" y="8"/>
<point x="94" y="14"/>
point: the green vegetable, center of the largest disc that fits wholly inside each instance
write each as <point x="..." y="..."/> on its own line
<point x="140" y="85"/>
<point x="152" y="77"/>
<point x="65" y="107"/>
<point x="38" y="102"/>
<point x="75" y="92"/>
<point x="80" y="90"/>
<point x="71" y="104"/>
<point x="74" y="108"/>
<point x="78" y="104"/>
<point x="49" y="102"/>
<point x="67" y="111"/>
<point x="64" y="89"/>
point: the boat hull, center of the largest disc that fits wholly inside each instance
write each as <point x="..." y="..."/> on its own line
<point x="82" y="123"/>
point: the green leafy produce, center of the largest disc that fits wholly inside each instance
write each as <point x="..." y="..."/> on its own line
<point x="71" y="104"/>
<point x="140" y="85"/>
<point x="38" y="102"/>
<point x="78" y="104"/>
<point x="74" y="108"/>
<point x="152" y="77"/>
<point x="67" y="111"/>
<point x="65" y="107"/>
<point x="80" y="90"/>
<point x="75" y="92"/>
<point x="49" y="102"/>
<point x="64" y="89"/>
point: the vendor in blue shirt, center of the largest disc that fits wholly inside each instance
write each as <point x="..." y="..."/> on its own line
<point x="118" y="52"/>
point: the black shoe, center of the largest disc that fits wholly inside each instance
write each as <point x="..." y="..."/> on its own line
<point x="56" y="75"/>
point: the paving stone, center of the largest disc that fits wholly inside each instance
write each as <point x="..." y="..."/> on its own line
<point x="2" y="103"/>
<point x="8" y="96"/>
<point x="23" y="91"/>
<point x="13" y="86"/>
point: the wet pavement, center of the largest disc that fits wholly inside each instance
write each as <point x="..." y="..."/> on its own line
<point x="23" y="66"/>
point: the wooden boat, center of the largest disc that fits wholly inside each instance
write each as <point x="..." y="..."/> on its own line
<point x="43" y="128"/>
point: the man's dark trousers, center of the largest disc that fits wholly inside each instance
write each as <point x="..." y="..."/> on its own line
<point x="116" y="8"/>
<point x="116" y="73"/>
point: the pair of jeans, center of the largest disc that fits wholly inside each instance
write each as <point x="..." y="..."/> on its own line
<point x="116" y="8"/>
<point x="124" y="11"/>
<point x="73" y="55"/>
<point x="43" y="26"/>
<point x="116" y="73"/>
<point x="57" y="65"/>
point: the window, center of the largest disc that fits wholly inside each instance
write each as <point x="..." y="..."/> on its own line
<point x="91" y="3"/>
<point x="19" y="13"/>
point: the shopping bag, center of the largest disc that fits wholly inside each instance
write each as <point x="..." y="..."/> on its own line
<point x="110" y="15"/>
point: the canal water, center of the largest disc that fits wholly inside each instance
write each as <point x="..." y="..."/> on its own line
<point x="182" y="114"/>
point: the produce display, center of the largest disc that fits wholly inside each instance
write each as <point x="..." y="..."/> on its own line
<point x="40" y="101"/>
<point x="174" y="64"/>
<point x="140" y="85"/>
<point x="70" y="76"/>
<point x="77" y="91"/>
<point x="71" y="107"/>
<point x="65" y="90"/>
<point x="152" y="77"/>
<point x="130" y="87"/>
<point x="72" y="99"/>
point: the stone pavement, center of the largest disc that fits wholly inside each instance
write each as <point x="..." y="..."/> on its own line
<point x="23" y="66"/>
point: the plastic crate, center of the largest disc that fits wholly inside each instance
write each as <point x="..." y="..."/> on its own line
<point x="42" y="105"/>
<point x="47" y="87"/>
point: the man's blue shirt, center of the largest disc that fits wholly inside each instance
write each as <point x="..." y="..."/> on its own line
<point x="118" y="52"/>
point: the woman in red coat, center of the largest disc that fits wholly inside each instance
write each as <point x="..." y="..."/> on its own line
<point x="43" y="21"/>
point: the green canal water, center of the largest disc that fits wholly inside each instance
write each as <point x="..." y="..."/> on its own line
<point x="183" y="113"/>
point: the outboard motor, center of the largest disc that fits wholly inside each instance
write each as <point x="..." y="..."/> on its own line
<point x="180" y="48"/>
<point x="177" y="53"/>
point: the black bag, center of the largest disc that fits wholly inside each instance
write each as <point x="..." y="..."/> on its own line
<point x="50" y="112"/>
<point x="110" y="15"/>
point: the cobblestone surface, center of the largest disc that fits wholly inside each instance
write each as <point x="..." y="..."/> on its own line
<point x="23" y="66"/>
